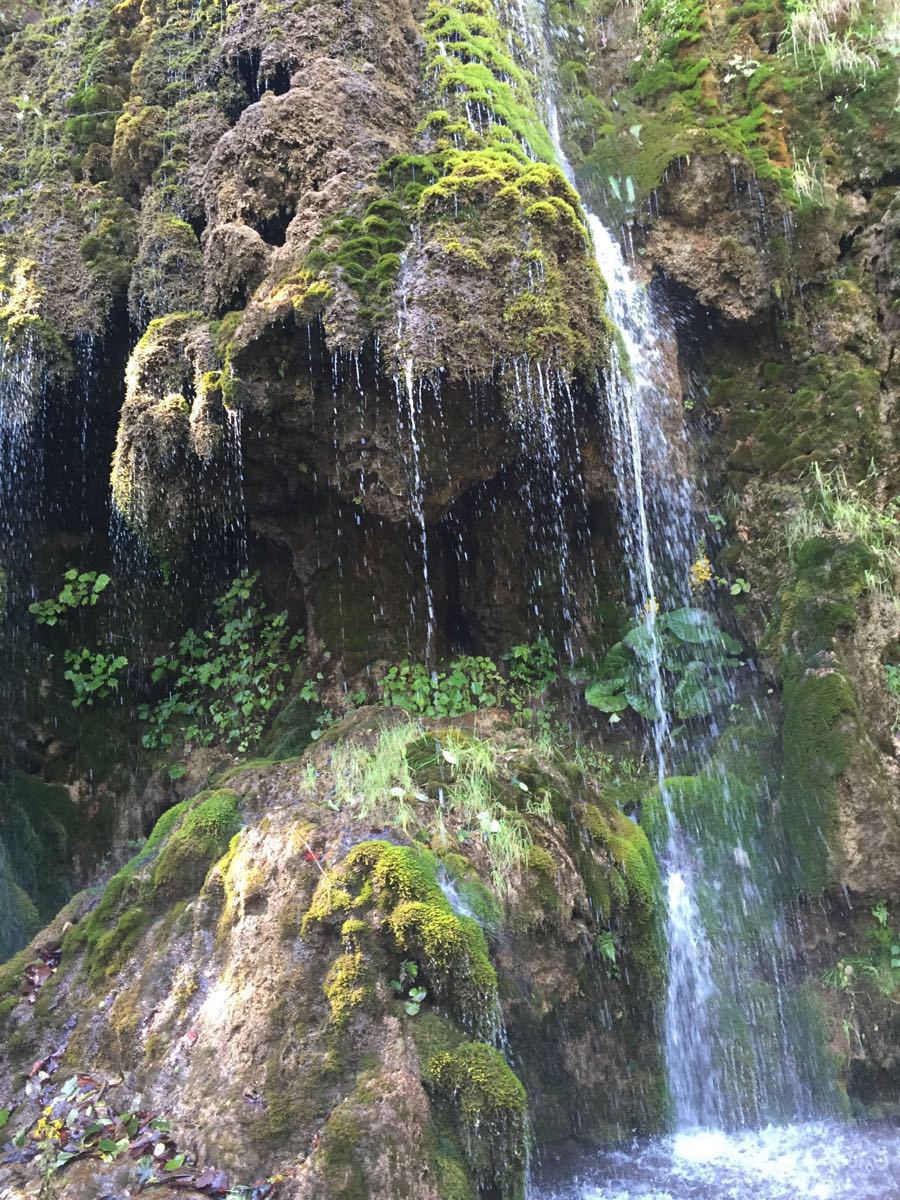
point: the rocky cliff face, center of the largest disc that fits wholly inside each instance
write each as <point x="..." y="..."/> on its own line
<point x="311" y="280"/>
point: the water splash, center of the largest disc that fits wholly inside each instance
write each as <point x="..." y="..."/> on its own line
<point x="454" y="899"/>
<point x="815" y="1161"/>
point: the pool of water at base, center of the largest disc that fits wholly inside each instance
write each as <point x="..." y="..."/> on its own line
<point x="813" y="1161"/>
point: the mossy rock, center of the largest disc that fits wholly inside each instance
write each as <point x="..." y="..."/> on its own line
<point x="636" y="872"/>
<point x="398" y="887"/>
<point x="488" y="1106"/>
<point x="820" y="731"/>
<point x="137" y="145"/>
<point x="201" y="837"/>
<point x="19" y="918"/>
<point x="41" y="824"/>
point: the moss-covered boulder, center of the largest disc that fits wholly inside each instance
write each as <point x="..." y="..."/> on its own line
<point x="319" y="969"/>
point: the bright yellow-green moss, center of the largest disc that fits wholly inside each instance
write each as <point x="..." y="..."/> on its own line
<point x="353" y="930"/>
<point x="631" y="853"/>
<point x="398" y="887"/>
<point x="489" y="1109"/>
<point x="484" y="189"/>
<point x="541" y="860"/>
<point x="346" y="987"/>
<point x="201" y="837"/>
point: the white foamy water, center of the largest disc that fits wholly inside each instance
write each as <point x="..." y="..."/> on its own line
<point x="813" y="1161"/>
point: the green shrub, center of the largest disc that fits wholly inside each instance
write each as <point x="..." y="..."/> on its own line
<point x="81" y="589"/>
<point x="471" y="682"/>
<point x="225" y="681"/>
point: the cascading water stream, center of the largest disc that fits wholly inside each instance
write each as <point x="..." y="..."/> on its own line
<point x="742" y="1057"/>
<point x="655" y="547"/>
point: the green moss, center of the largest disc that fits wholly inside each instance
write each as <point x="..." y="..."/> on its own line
<point x="541" y="861"/>
<point x="168" y="274"/>
<point x="480" y="200"/>
<point x="7" y="1005"/>
<point x="341" y="1154"/>
<point x="20" y="918"/>
<point x="820" y="598"/>
<point x="201" y="837"/>
<point x="12" y="973"/>
<point x="631" y="853"/>
<point x="137" y="146"/>
<point x="113" y="948"/>
<point x="128" y="902"/>
<point x="487" y="1102"/>
<point x="398" y="886"/>
<point x="820" y="714"/>
<point x="433" y="1033"/>
<point x="281" y="1108"/>
<point x="43" y="830"/>
<point x="347" y="986"/>
<point x="454" y="955"/>
<point x="449" y="1167"/>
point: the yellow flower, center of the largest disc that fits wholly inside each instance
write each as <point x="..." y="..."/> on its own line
<point x="652" y="605"/>
<point x="701" y="573"/>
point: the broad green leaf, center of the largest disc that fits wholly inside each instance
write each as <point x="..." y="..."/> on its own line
<point x="691" y="697"/>
<point x="643" y="706"/>
<point x="609" y="702"/>
<point x="693" y="625"/>
<point x="644" y="641"/>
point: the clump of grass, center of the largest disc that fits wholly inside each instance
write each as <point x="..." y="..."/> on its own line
<point x="807" y="180"/>
<point x="837" y="507"/>
<point x="832" y="32"/>
<point x="416" y="780"/>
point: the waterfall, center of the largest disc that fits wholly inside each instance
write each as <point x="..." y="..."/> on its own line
<point x="657" y="551"/>
<point x="731" y="1038"/>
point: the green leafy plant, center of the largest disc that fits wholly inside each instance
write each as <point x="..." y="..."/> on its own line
<point x="93" y="675"/>
<point x="878" y="965"/>
<point x="406" y="987"/>
<point x="225" y="681"/>
<point x="532" y="668"/>
<point x="471" y="682"/>
<point x="606" y="944"/>
<point x="467" y="684"/>
<point x="81" y="589"/>
<point x="692" y="655"/>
